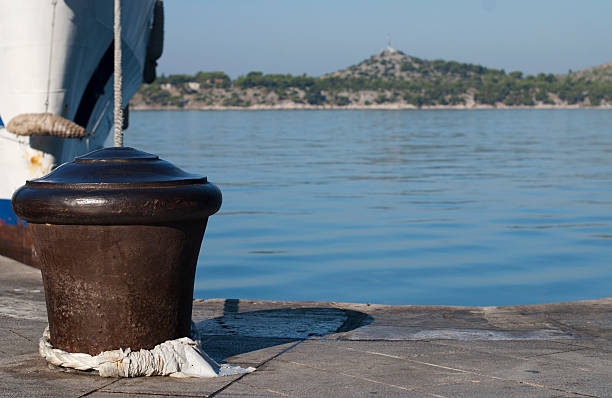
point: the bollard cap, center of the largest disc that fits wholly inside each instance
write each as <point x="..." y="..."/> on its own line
<point x="116" y="186"/>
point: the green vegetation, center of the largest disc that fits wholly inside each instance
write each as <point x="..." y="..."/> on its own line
<point x="153" y="94"/>
<point x="274" y="82"/>
<point x="391" y="77"/>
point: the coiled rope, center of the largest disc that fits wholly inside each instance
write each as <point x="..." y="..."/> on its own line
<point x="45" y="124"/>
<point x="175" y="358"/>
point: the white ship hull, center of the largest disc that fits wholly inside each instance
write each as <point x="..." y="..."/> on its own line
<point x="56" y="57"/>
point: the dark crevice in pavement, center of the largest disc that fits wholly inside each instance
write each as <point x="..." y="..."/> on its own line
<point x="98" y="389"/>
<point x="560" y="352"/>
<point x="20" y="335"/>
<point x="292" y="346"/>
<point x="267" y="390"/>
<point x="600" y="349"/>
<point x="155" y="394"/>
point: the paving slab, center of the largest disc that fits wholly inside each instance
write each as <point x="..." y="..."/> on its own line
<point x="584" y="377"/>
<point x="487" y="388"/>
<point x="297" y="380"/>
<point x="328" y="349"/>
<point x="334" y="357"/>
<point x="245" y="350"/>
<point x="176" y="387"/>
<point x="30" y="376"/>
<point x="521" y="349"/>
<point x="21" y="291"/>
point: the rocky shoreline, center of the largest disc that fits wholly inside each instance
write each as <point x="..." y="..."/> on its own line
<point x="288" y="107"/>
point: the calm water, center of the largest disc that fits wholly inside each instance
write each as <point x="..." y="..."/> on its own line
<point x="483" y="207"/>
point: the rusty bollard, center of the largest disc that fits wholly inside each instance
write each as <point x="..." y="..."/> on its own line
<point x="118" y="232"/>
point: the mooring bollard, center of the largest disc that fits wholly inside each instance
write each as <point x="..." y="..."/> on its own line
<point x="118" y="232"/>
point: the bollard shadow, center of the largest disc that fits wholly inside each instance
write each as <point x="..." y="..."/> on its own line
<point x="237" y="333"/>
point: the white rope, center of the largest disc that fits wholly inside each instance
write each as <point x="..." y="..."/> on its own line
<point x="118" y="79"/>
<point x="176" y="358"/>
<point x="54" y="5"/>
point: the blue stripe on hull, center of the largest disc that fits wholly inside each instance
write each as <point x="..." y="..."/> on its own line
<point x="7" y="215"/>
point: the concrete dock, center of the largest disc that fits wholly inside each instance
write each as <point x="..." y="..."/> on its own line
<point x="314" y="349"/>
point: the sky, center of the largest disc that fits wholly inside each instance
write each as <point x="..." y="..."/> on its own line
<point x="321" y="36"/>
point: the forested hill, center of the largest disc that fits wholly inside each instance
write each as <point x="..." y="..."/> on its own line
<point x="390" y="79"/>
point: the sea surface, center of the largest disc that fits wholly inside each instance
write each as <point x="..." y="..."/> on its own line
<point x="482" y="207"/>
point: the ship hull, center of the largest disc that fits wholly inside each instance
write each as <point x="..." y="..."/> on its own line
<point x="15" y="238"/>
<point x="57" y="57"/>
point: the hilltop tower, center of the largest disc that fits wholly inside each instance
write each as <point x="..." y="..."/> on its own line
<point x="389" y="48"/>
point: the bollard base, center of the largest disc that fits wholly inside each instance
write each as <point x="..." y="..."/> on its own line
<point x="118" y="286"/>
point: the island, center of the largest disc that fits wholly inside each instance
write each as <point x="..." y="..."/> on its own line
<point x="388" y="80"/>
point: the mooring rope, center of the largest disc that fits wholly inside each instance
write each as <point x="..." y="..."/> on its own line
<point x="118" y="79"/>
<point x="54" y="5"/>
<point x="176" y="358"/>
